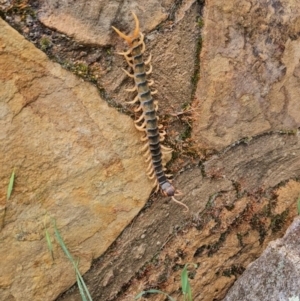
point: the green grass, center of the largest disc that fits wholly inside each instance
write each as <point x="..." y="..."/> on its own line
<point x="10" y="185"/>
<point x="185" y="287"/>
<point x="84" y="292"/>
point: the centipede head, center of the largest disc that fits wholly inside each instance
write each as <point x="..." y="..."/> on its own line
<point x="167" y="189"/>
<point x="130" y="38"/>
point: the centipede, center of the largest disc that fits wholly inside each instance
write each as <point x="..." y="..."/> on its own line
<point x="147" y="108"/>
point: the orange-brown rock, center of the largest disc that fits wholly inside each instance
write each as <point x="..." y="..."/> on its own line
<point x="90" y="21"/>
<point x="249" y="75"/>
<point x="76" y="160"/>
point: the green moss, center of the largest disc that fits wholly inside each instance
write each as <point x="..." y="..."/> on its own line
<point x="200" y="22"/>
<point x="45" y="43"/>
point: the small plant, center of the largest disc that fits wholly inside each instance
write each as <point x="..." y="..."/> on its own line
<point x="84" y="292"/>
<point x="185" y="287"/>
<point x="10" y="185"/>
<point x="45" y="43"/>
<point x="185" y="284"/>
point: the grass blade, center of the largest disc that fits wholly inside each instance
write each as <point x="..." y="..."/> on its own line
<point x="81" y="289"/>
<point x="62" y="244"/>
<point x="298" y="205"/>
<point x="84" y="292"/>
<point x="83" y="284"/>
<point x="10" y="185"/>
<point x="185" y="284"/>
<point x="49" y="242"/>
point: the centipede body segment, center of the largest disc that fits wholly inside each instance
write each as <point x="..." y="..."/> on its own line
<point x="147" y="107"/>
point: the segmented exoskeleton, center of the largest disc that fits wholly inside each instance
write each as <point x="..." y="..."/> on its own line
<point x="148" y="120"/>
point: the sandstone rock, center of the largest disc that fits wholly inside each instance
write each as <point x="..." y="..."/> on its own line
<point x="90" y="21"/>
<point x="249" y="71"/>
<point x="231" y="222"/>
<point x="172" y="43"/>
<point x="275" y="275"/>
<point x="76" y="160"/>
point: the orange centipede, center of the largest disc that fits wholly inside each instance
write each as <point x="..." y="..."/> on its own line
<point x="147" y="107"/>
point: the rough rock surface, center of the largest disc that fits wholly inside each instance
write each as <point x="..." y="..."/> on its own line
<point x="240" y="199"/>
<point x="275" y="275"/>
<point x="90" y="21"/>
<point x="231" y="221"/>
<point x="249" y="71"/>
<point x="171" y="34"/>
<point x="75" y="159"/>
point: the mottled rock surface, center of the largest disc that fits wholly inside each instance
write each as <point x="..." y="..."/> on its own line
<point x="275" y="275"/>
<point x="231" y="221"/>
<point x="76" y="160"/>
<point x="240" y="198"/>
<point x="90" y="21"/>
<point x="171" y="34"/>
<point x="249" y="71"/>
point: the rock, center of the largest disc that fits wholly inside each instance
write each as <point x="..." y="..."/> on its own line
<point x="76" y="160"/>
<point x="249" y="71"/>
<point x="229" y="225"/>
<point x="275" y="274"/>
<point x="90" y="22"/>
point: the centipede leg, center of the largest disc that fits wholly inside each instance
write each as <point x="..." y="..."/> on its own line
<point x="145" y="138"/>
<point x="139" y="119"/>
<point x="166" y="149"/>
<point x="145" y="147"/>
<point x="180" y="203"/>
<point x="139" y="108"/>
<point x="150" y="166"/>
<point x="148" y="60"/>
<point x="150" y="82"/>
<point x="162" y="136"/>
<point x="129" y="74"/>
<point x="124" y="53"/>
<point x="129" y="61"/>
<point x="131" y="89"/>
<point x="141" y="127"/>
<point x="133" y="101"/>
<point x="150" y="70"/>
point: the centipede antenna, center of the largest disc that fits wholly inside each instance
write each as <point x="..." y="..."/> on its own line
<point x="129" y="39"/>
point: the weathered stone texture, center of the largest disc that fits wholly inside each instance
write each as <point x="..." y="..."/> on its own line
<point x="90" y="21"/>
<point x="172" y="43"/>
<point x="232" y="219"/>
<point x="275" y="275"/>
<point x="249" y="78"/>
<point x="76" y="160"/>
